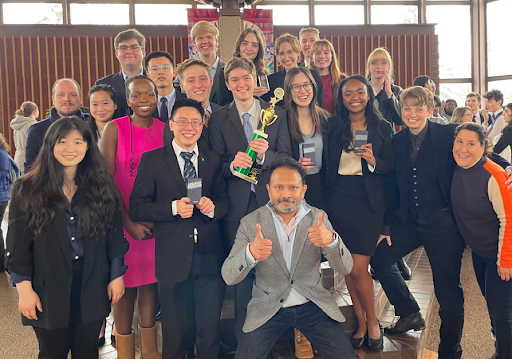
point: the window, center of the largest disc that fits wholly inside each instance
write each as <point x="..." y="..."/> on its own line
<point x="99" y="14"/>
<point x="32" y="13"/>
<point x="161" y="14"/>
<point x="288" y="14"/>
<point x="394" y="14"/>
<point x="498" y="35"/>
<point x="457" y="92"/>
<point x="505" y="86"/>
<point x="339" y="15"/>
<point x="454" y="31"/>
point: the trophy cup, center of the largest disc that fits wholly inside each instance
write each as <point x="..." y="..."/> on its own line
<point x="268" y="117"/>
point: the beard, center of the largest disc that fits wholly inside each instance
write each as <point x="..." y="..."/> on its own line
<point x="293" y="208"/>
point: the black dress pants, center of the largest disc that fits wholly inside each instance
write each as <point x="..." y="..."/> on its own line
<point x="439" y="235"/>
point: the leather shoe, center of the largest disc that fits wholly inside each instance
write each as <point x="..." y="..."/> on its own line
<point x="404" y="269"/>
<point x="357" y="342"/>
<point x="303" y="349"/>
<point x="404" y="324"/>
<point x="376" y="344"/>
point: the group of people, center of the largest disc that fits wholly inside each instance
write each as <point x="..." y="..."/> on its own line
<point x="137" y="199"/>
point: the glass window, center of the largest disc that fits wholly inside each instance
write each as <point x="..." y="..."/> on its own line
<point x="32" y="13"/>
<point x="498" y="48"/>
<point x="454" y="31"/>
<point x="394" y="14"/>
<point x="161" y="14"/>
<point x="288" y="14"/>
<point x="339" y="15"/>
<point x="505" y="86"/>
<point x="99" y="14"/>
<point x="457" y="92"/>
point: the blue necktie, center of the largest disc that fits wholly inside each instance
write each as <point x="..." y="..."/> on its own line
<point x="189" y="170"/>
<point x="247" y="126"/>
<point x="164" y="112"/>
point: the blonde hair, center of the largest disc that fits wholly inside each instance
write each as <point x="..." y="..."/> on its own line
<point x="26" y="109"/>
<point x="292" y="40"/>
<point x="191" y="62"/>
<point x="202" y="27"/>
<point x="380" y="53"/>
<point x="420" y="95"/>
<point x="458" y="114"/>
<point x="310" y="29"/>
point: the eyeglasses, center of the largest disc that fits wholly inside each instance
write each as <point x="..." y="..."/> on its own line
<point x="296" y="88"/>
<point x="184" y="123"/>
<point x="164" y="67"/>
<point x="131" y="47"/>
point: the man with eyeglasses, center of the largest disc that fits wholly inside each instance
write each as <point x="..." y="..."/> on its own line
<point x="160" y="68"/>
<point x="129" y="46"/>
<point x="188" y="243"/>
<point x="231" y="129"/>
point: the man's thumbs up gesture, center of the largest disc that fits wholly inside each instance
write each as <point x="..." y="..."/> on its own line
<point x="260" y="248"/>
<point x="319" y="234"/>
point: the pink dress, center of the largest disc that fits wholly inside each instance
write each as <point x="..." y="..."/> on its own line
<point x="132" y="142"/>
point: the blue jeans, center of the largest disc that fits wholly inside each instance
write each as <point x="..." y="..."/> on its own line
<point x="324" y="333"/>
<point x="498" y="295"/>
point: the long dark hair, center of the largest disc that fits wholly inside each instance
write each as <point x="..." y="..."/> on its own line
<point x="91" y="121"/>
<point x="340" y="122"/>
<point x="509" y="106"/>
<point x="40" y="190"/>
<point x="317" y="113"/>
<point x="259" y="60"/>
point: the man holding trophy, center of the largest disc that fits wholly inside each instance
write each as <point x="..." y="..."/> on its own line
<point x="231" y="136"/>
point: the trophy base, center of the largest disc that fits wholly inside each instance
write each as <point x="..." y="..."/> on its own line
<point x="246" y="178"/>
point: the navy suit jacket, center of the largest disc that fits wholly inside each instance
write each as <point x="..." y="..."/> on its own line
<point x="178" y="96"/>
<point x="117" y="82"/>
<point x="227" y="138"/>
<point x="276" y="80"/>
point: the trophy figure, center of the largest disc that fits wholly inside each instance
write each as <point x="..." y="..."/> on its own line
<point x="268" y="117"/>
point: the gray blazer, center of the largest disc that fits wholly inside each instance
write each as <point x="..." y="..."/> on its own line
<point x="273" y="280"/>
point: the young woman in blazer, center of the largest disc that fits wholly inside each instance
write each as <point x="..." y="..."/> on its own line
<point x="65" y="242"/>
<point x="356" y="202"/>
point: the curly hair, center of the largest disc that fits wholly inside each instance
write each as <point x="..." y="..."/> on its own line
<point x="259" y="60"/>
<point x="40" y="193"/>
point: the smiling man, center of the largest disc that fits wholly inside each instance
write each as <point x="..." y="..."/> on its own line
<point x="307" y="37"/>
<point x="66" y="100"/>
<point x="160" y="68"/>
<point x="130" y="51"/>
<point x="187" y="238"/>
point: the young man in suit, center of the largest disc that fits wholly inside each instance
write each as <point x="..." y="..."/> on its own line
<point x="474" y="101"/>
<point x="160" y="68"/>
<point x="230" y="133"/>
<point x="307" y="37"/>
<point x="66" y="100"/>
<point x="205" y="37"/>
<point x="494" y="105"/>
<point x="187" y="237"/>
<point x="421" y="197"/>
<point x="130" y="51"/>
<point x="284" y="241"/>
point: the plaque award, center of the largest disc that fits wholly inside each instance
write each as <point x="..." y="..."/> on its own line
<point x="268" y="117"/>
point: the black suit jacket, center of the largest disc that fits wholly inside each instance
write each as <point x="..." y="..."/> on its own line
<point x="159" y="182"/>
<point x="276" y="80"/>
<point x="204" y="140"/>
<point x="47" y="260"/>
<point x="227" y="138"/>
<point x="117" y="82"/>
<point x="178" y="96"/>
<point x="380" y="137"/>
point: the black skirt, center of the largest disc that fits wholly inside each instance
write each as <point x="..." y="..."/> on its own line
<point x="315" y="192"/>
<point x="352" y="217"/>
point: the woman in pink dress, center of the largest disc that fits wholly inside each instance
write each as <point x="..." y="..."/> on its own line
<point x="124" y="141"/>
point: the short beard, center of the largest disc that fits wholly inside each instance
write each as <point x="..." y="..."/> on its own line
<point x="293" y="208"/>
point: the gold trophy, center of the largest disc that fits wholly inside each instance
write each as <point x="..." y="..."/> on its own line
<point x="268" y="117"/>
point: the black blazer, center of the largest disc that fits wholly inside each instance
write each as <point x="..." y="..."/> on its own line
<point x="276" y="80"/>
<point x="47" y="260"/>
<point x="178" y="96"/>
<point x="117" y="82"/>
<point x="159" y="182"/>
<point x="227" y="137"/>
<point x="382" y="151"/>
<point x="203" y="142"/>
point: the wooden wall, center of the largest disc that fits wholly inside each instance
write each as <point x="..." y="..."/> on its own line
<point x="32" y="58"/>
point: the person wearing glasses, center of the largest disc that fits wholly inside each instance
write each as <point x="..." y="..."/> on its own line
<point x="130" y="51"/>
<point x="187" y="235"/>
<point x="123" y="142"/>
<point x="159" y="67"/>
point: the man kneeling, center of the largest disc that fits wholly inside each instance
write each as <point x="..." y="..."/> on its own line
<point x="284" y="240"/>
